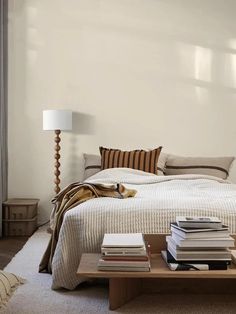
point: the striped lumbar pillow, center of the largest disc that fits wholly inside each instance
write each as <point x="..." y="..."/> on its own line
<point x="8" y="283"/>
<point x="213" y="166"/>
<point x="135" y="159"/>
<point x="92" y="164"/>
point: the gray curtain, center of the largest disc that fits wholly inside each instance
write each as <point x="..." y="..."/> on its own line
<point x="3" y="104"/>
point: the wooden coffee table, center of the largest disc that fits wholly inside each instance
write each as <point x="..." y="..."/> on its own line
<point x="124" y="286"/>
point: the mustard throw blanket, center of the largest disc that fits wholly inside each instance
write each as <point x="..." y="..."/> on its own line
<point x="73" y="195"/>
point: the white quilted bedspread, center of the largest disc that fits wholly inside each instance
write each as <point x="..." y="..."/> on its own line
<point x="158" y="201"/>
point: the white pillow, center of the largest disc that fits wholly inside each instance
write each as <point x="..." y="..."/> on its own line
<point x="212" y="166"/>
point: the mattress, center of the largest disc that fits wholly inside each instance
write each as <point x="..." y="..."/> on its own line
<point x="158" y="201"/>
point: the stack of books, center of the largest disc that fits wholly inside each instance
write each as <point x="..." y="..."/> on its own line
<point x="198" y="243"/>
<point x="124" y="252"/>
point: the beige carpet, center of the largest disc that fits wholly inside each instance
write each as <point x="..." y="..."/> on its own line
<point x="36" y="296"/>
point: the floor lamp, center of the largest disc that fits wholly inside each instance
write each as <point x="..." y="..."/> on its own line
<point x="57" y="121"/>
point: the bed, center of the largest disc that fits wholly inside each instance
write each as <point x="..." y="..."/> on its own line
<point x="158" y="201"/>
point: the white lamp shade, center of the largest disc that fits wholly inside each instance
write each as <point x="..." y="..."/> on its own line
<point x="57" y="120"/>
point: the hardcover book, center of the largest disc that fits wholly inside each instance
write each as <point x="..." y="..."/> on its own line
<point x="196" y="254"/>
<point x="124" y="251"/>
<point x="192" y="265"/>
<point x="190" y="233"/>
<point x="132" y="264"/>
<point x="124" y="240"/>
<point x="204" y="242"/>
<point x="122" y="269"/>
<point x="125" y="258"/>
<point x="199" y="222"/>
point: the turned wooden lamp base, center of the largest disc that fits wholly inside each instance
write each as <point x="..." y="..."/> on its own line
<point x="57" y="120"/>
<point x="57" y="164"/>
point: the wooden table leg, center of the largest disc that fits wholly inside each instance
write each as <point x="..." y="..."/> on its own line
<point x="122" y="290"/>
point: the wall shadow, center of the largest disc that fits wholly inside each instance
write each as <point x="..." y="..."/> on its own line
<point x="83" y="123"/>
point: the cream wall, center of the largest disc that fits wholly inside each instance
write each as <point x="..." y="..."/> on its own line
<point x="138" y="73"/>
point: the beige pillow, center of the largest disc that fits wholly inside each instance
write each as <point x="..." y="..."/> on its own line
<point x="161" y="166"/>
<point x="8" y="283"/>
<point x="92" y="165"/>
<point x="213" y="166"/>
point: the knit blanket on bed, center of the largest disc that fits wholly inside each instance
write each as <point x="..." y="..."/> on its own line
<point x="158" y="201"/>
<point x="73" y="195"/>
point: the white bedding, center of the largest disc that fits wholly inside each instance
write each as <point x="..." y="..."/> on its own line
<point x="158" y="201"/>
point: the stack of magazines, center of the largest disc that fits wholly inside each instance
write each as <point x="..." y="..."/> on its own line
<point x="124" y="252"/>
<point x="198" y="243"/>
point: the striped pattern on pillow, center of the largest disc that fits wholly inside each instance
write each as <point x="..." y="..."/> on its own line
<point x="135" y="159"/>
<point x="92" y="164"/>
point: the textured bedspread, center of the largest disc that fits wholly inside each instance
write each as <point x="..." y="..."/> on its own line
<point x="158" y="201"/>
